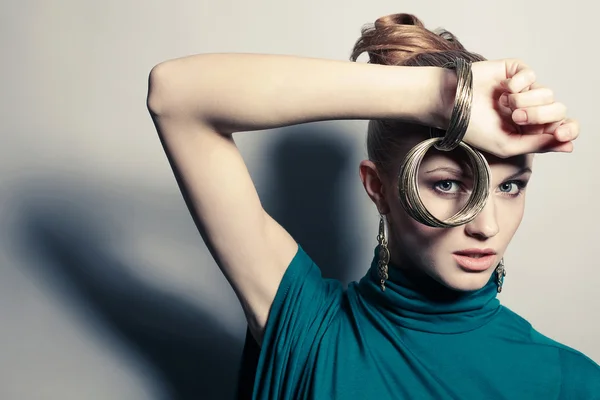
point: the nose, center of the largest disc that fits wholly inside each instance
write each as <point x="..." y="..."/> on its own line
<point x="485" y="225"/>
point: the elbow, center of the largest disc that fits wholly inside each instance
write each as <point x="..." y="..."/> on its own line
<point x="157" y="99"/>
<point x="177" y="88"/>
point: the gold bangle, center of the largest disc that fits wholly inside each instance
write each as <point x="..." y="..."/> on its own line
<point x="461" y="112"/>
<point x="408" y="186"/>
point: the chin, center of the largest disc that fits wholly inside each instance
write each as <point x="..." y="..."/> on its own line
<point x="467" y="281"/>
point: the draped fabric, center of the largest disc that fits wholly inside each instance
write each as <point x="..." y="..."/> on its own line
<point x="416" y="340"/>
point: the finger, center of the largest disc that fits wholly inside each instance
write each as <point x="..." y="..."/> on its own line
<point x="540" y="129"/>
<point x="563" y="131"/>
<point x="520" y="81"/>
<point x="568" y="130"/>
<point x="530" y="98"/>
<point x="514" y="66"/>
<point x="551" y="128"/>
<point x="544" y="114"/>
<point x="536" y="85"/>
<point x="504" y="107"/>
<point x="544" y="143"/>
<point x="566" y="147"/>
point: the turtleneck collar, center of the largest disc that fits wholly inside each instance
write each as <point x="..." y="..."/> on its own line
<point x="414" y="300"/>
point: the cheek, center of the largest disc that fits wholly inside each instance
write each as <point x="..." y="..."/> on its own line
<point x="412" y="234"/>
<point x="510" y="214"/>
<point x="443" y="207"/>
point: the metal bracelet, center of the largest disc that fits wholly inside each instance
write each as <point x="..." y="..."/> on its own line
<point x="461" y="112"/>
<point x="408" y="186"/>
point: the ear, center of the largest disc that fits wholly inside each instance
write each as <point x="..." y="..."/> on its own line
<point x="374" y="186"/>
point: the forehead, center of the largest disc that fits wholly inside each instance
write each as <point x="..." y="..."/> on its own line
<point x="458" y="159"/>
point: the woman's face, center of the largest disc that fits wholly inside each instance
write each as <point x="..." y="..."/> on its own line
<point x="462" y="257"/>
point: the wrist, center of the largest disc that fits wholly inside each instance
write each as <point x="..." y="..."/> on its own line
<point x="445" y="94"/>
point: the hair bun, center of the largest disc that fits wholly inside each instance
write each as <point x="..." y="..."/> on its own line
<point x="396" y="38"/>
<point x="393" y="20"/>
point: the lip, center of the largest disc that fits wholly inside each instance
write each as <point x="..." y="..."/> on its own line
<point x="475" y="260"/>
<point x="475" y="251"/>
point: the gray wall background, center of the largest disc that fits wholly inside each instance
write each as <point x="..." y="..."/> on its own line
<point x="106" y="289"/>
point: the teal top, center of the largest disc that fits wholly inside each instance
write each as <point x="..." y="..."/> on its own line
<point x="416" y="340"/>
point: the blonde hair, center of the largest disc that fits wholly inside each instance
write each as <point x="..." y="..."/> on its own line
<point x="403" y="40"/>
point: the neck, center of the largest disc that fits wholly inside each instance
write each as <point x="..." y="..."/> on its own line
<point x="416" y="301"/>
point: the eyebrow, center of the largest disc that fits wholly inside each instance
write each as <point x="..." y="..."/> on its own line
<point x="460" y="172"/>
<point x="519" y="172"/>
<point x="448" y="169"/>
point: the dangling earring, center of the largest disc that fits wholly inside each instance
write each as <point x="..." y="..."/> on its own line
<point x="384" y="253"/>
<point x="500" y="274"/>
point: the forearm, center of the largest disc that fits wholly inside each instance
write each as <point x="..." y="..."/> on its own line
<point x="245" y="92"/>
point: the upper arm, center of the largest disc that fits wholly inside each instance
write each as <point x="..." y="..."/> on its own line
<point x="304" y="317"/>
<point x="252" y="250"/>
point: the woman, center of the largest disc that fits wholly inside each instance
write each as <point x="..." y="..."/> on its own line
<point x="429" y="326"/>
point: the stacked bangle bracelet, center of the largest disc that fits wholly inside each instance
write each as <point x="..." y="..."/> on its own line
<point x="408" y="188"/>
<point x="461" y="113"/>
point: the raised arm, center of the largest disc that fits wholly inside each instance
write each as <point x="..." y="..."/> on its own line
<point x="246" y="92"/>
<point x="197" y="102"/>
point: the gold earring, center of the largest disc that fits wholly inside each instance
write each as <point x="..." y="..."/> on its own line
<point x="500" y="274"/>
<point x="384" y="253"/>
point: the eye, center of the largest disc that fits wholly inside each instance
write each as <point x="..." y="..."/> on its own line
<point x="512" y="188"/>
<point x="447" y="186"/>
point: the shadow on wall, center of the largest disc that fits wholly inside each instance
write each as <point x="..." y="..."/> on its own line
<point x="182" y="344"/>
<point x="308" y="174"/>
<point x="185" y="345"/>
<point x="306" y="198"/>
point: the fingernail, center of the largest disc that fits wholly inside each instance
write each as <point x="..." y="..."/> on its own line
<point x="563" y="133"/>
<point x="520" y="116"/>
<point x="504" y="100"/>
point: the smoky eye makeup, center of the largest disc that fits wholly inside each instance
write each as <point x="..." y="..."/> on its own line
<point x="453" y="182"/>
<point x="513" y="187"/>
<point x="446" y="181"/>
<point x="515" y="184"/>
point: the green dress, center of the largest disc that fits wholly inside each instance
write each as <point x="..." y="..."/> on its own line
<point x="416" y="340"/>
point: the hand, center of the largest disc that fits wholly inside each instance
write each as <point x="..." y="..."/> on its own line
<point x="512" y="114"/>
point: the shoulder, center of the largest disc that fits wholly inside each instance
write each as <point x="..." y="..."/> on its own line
<point x="568" y="356"/>
<point x="305" y="306"/>
<point x="575" y="361"/>
<point x="304" y="274"/>
<point x="304" y="300"/>
<point x="579" y="374"/>
<point x="571" y="360"/>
